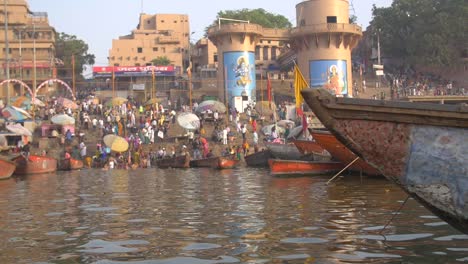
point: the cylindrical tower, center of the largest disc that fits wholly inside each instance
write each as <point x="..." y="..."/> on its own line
<point x="323" y="40"/>
<point x="236" y="62"/>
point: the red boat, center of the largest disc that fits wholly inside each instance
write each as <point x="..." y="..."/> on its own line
<point x="34" y="164"/>
<point x="308" y="146"/>
<point x="342" y="153"/>
<point x="6" y="169"/>
<point x="226" y="163"/>
<point x="70" y="164"/>
<point x="299" y="167"/>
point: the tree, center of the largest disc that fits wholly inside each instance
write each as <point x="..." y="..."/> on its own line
<point x="66" y="46"/>
<point x="423" y="32"/>
<point x="161" y="61"/>
<point x="257" y="16"/>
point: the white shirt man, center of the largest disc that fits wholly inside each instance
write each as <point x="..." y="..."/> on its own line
<point x="225" y="133"/>
<point x="216" y="116"/>
<point x="255" y="138"/>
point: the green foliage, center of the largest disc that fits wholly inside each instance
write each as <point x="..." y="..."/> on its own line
<point x="423" y="32"/>
<point x="161" y="61"/>
<point x="68" y="45"/>
<point x="257" y="16"/>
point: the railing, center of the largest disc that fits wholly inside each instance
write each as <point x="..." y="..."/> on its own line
<point x="235" y="27"/>
<point x="327" y="28"/>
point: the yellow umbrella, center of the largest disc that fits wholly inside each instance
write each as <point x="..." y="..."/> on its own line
<point x="116" y="101"/>
<point x="116" y="143"/>
<point x="153" y="101"/>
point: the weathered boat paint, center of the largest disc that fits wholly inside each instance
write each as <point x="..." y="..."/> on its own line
<point x="299" y="167"/>
<point x="6" y="168"/>
<point x="34" y="165"/>
<point x="181" y="162"/>
<point x="258" y="159"/>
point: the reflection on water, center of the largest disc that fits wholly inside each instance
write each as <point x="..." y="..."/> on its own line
<point x="205" y="216"/>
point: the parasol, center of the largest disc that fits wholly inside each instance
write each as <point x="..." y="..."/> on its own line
<point x="26" y="101"/>
<point x="115" y="143"/>
<point x="15" y="113"/>
<point x="188" y="121"/>
<point x="63" y="119"/>
<point x="116" y="101"/>
<point x="266" y="130"/>
<point x="19" y="129"/>
<point x="211" y="105"/>
<point x="67" y="103"/>
<point x="153" y="101"/>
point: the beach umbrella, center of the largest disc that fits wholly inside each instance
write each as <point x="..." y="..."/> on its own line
<point x="63" y="119"/>
<point x="116" y="101"/>
<point x="67" y="103"/>
<point x="266" y="130"/>
<point x="285" y="123"/>
<point x="19" y="129"/>
<point x="153" y="101"/>
<point x="116" y="143"/>
<point x="24" y="101"/>
<point x="211" y="105"/>
<point x="188" y="121"/>
<point x="15" y="113"/>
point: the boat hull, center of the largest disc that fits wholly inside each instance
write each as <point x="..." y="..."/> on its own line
<point x="341" y="153"/>
<point x="70" y="164"/>
<point x="226" y="163"/>
<point x="6" y="169"/>
<point x="284" y="151"/>
<point x="298" y="167"/>
<point x="421" y="147"/>
<point x="308" y="146"/>
<point x="204" y="163"/>
<point x="258" y="159"/>
<point x="181" y="162"/>
<point x="35" y="165"/>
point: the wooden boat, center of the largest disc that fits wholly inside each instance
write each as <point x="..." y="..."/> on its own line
<point x="284" y="151"/>
<point x="6" y="168"/>
<point x="308" y="146"/>
<point x="34" y="164"/>
<point x="258" y="159"/>
<point x="174" y="162"/>
<point x="204" y="163"/>
<point x="299" y="167"/>
<point x="421" y="147"/>
<point x="228" y="162"/>
<point x="70" y="164"/>
<point x="341" y="153"/>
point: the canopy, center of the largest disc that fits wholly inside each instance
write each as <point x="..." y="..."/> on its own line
<point x="15" y="113"/>
<point x="26" y="101"/>
<point x="188" y="121"/>
<point x="211" y="105"/>
<point x="19" y="129"/>
<point x="266" y="130"/>
<point x="67" y="103"/>
<point x="115" y="143"/>
<point x="116" y="101"/>
<point x="63" y="119"/>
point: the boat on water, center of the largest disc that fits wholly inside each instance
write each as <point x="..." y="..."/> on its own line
<point x="342" y="153"/>
<point x="6" y="168"/>
<point x="308" y="146"/>
<point x="422" y="147"/>
<point x="284" y="151"/>
<point x="70" y="164"/>
<point x="174" y="162"/>
<point x="204" y="163"/>
<point x="258" y="159"/>
<point x="227" y="162"/>
<point x="280" y="167"/>
<point x="34" y="165"/>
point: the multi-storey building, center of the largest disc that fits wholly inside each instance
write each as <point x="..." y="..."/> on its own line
<point x="31" y="42"/>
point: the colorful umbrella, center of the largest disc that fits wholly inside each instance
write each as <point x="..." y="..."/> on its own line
<point x="15" y="113"/>
<point x="19" y="129"/>
<point x="67" y="103"/>
<point x="26" y="102"/>
<point x="63" y="119"/>
<point x="116" y="101"/>
<point x="211" y="105"/>
<point x="116" y="143"/>
<point x="188" y="121"/>
<point x="153" y="101"/>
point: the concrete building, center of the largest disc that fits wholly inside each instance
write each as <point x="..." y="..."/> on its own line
<point x="160" y="35"/>
<point x="31" y="42"/>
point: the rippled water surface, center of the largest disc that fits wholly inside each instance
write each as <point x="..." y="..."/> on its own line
<point x="209" y="217"/>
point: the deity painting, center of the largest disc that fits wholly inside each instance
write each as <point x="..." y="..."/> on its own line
<point x="242" y="71"/>
<point x="329" y="74"/>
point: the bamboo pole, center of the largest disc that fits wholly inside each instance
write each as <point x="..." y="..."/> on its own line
<point x="347" y="166"/>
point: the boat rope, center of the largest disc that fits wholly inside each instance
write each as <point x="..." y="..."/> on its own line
<point x="347" y="166"/>
<point x="393" y="217"/>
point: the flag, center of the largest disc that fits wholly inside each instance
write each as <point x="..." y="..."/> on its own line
<point x="299" y="84"/>
<point x="269" y="89"/>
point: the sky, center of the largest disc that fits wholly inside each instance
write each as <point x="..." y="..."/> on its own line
<point x="97" y="22"/>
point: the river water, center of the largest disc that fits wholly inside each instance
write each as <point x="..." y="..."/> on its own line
<point x="203" y="216"/>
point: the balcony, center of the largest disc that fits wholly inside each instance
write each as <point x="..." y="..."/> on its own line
<point x="235" y="28"/>
<point x="169" y="40"/>
<point x="326" y="28"/>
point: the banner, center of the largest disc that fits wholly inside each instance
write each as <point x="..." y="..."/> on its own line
<point x="240" y="70"/>
<point x="329" y="74"/>
<point x="132" y="71"/>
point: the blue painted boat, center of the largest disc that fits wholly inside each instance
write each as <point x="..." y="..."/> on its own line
<point x="421" y="147"/>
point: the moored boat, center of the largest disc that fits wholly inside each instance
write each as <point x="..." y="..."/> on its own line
<point x="341" y="153"/>
<point x="299" y="167"/>
<point x="227" y="162"/>
<point x="34" y="164"/>
<point x="204" y="163"/>
<point x="6" y="168"/>
<point x="308" y="146"/>
<point x="284" y="151"/>
<point x="421" y="147"/>
<point x="70" y="164"/>
<point x="258" y="159"/>
<point x="174" y="162"/>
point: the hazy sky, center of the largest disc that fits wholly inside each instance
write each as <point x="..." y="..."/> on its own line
<point x="97" y="22"/>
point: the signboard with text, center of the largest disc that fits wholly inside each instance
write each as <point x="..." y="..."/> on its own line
<point x="133" y="71"/>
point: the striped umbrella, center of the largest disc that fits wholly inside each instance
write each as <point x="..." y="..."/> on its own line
<point x="15" y="113"/>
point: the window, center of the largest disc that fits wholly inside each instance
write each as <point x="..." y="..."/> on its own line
<point x="331" y="19"/>
<point x="155" y="49"/>
<point x="116" y="64"/>
<point x="140" y="50"/>
<point x="148" y="22"/>
<point x="162" y="21"/>
<point x="163" y="49"/>
<point x="215" y="58"/>
<point x="273" y="53"/>
<point x="175" y="21"/>
<point x="257" y="53"/>
<point x="303" y="22"/>
<point x="265" y="53"/>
